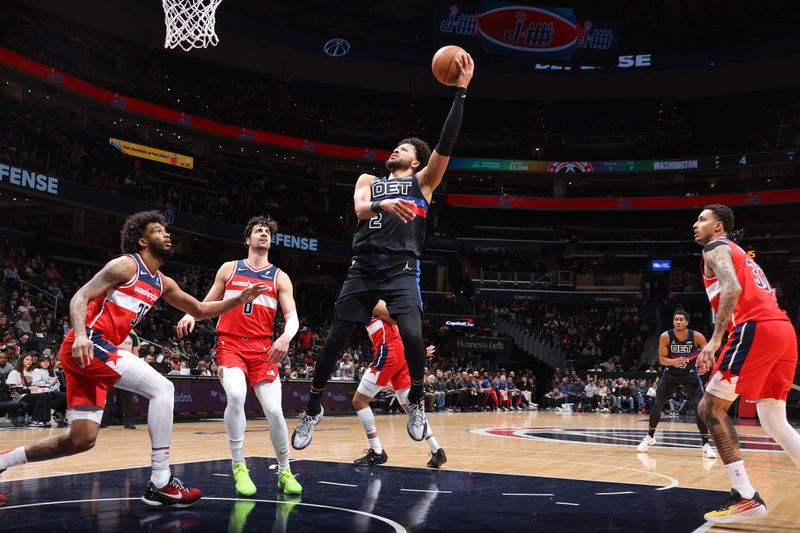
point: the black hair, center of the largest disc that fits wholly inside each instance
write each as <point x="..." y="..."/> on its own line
<point x="261" y="220"/>
<point x="724" y="214"/>
<point x="681" y="312"/>
<point x="420" y="147"/>
<point x="135" y="227"/>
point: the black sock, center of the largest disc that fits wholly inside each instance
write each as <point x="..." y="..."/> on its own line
<point x="651" y="432"/>
<point x="705" y="439"/>
<point x="415" y="393"/>
<point x="312" y="405"/>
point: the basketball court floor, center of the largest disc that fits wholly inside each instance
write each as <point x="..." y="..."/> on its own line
<point x="517" y="471"/>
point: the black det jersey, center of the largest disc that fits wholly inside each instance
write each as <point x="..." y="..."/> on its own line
<point x="385" y="232"/>
<point x="682" y="348"/>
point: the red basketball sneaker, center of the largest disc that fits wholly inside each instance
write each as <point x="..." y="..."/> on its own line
<point x="174" y="493"/>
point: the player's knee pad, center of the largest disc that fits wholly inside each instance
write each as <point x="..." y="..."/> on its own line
<point x="273" y="413"/>
<point x="236" y="397"/>
<point x="771" y="413"/>
<point x="167" y="388"/>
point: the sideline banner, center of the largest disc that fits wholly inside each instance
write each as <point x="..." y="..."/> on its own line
<point x="205" y="395"/>
<point x="153" y="154"/>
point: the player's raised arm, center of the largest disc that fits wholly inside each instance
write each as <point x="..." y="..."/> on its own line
<point x="431" y="176"/>
<point x="286" y="299"/>
<point x="215" y="293"/>
<point x="115" y="272"/>
<point x="203" y="310"/>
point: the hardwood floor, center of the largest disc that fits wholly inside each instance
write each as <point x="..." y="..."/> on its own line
<point x="580" y="446"/>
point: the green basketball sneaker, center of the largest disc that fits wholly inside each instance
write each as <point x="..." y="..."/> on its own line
<point x="241" y="477"/>
<point x="288" y="484"/>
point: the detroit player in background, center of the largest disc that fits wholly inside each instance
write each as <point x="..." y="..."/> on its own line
<point x="388" y="367"/>
<point x="388" y="243"/>
<point x="758" y="361"/>
<point x="677" y="351"/>
<point x="102" y="313"/>
<point x="246" y="353"/>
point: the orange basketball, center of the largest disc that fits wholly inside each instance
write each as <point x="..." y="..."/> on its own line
<point x="444" y="64"/>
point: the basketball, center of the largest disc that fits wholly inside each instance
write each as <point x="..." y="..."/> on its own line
<point x="444" y="64"/>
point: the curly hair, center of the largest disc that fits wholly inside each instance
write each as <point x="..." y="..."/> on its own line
<point x="135" y="227"/>
<point x="261" y="220"/>
<point x="420" y="147"/>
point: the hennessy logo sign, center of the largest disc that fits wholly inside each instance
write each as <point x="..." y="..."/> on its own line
<point x="483" y="345"/>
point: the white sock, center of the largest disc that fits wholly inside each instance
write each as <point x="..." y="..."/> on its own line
<point x="375" y="444"/>
<point x="739" y="479"/>
<point x="367" y="419"/>
<point x="772" y="414"/>
<point x="434" y="446"/>
<point x="13" y="457"/>
<point x="160" y="472"/>
<point x="237" y="450"/>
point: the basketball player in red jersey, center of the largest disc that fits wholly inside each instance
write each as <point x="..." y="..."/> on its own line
<point x="387" y="366"/>
<point x="102" y="314"/>
<point x="246" y="353"/>
<point x="757" y="362"/>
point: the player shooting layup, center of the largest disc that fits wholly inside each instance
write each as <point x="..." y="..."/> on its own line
<point x="388" y="244"/>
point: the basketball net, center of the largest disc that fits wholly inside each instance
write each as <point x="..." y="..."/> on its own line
<point x="190" y="23"/>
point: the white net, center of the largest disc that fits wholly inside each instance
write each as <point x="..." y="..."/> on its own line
<point x="190" y="23"/>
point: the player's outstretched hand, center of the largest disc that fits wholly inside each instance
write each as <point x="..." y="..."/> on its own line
<point x="430" y="350"/>
<point x="706" y="358"/>
<point x="400" y="208"/>
<point x="466" y="68"/>
<point x="252" y="292"/>
<point x="82" y="351"/>
<point x="185" y="325"/>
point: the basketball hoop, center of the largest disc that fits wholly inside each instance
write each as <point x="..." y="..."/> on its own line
<point x="190" y="23"/>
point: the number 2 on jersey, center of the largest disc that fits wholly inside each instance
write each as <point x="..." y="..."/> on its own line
<point x="375" y="222"/>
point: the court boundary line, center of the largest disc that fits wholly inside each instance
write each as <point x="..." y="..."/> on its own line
<point x="483" y="432"/>
<point x="397" y="527"/>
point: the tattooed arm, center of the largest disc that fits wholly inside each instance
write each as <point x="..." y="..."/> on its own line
<point x="115" y="272"/>
<point x="719" y="261"/>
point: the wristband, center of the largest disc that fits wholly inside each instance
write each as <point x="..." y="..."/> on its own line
<point x="376" y="206"/>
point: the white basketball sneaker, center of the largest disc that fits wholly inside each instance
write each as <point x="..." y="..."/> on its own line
<point x="708" y="451"/>
<point x="647" y="441"/>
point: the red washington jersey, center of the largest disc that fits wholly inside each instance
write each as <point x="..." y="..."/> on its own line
<point x="381" y="333"/>
<point x="253" y="319"/>
<point x="757" y="301"/>
<point x="124" y="306"/>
